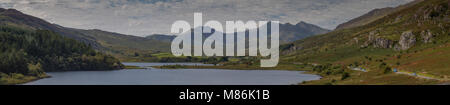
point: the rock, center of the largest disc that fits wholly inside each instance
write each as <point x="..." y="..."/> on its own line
<point x="427" y="36"/>
<point x="397" y="47"/>
<point x="356" y="40"/>
<point x="383" y="43"/>
<point x="373" y="35"/>
<point x="370" y="40"/>
<point x="398" y="19"/>
<point x="377" y="42"/>
<point x="407" y="40"/>
<point x="292" y="49"/>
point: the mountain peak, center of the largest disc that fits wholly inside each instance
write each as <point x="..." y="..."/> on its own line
<point x="301" y="22"/>
<point x="10" y="11"/>
<point x="290" y="32"/>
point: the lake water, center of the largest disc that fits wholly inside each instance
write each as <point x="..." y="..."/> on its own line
<point x="175" y="76"/>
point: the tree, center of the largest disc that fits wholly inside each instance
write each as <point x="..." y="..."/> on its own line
<point x="32" y="52"/>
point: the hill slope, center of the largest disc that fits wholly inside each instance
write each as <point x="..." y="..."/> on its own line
<point x="160" y="37"/>
<point x="109" y="42"/>
<point x="373" y="16"/>
<point x="290" y="33"/>
<point x="414" y="39"/>
<point x="26" y="54"/>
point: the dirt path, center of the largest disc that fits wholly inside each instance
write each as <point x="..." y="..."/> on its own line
<point x="419" y="76"/>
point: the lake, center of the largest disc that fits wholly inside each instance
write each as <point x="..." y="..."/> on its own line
<point x="154" y="76"/>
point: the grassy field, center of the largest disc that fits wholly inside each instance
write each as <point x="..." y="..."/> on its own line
<point x="372" y="78"/>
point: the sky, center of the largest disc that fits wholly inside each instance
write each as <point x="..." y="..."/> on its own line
<point x="147" y="17"/>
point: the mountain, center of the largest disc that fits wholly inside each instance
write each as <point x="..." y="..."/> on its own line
<point x="108" y="42"/>
<point x="161" y="37"/>
<point x="17" y="18"/>
<point x="414" y="39"/>
<point x="123" y="45"/>
<point x="288" y="32"/>
<point x="374" y="15"/>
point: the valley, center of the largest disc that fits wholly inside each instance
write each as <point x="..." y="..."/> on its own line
<point x="404" y="45"/>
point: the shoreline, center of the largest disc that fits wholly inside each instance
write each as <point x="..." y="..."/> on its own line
<point x="23" y="80"/>
<point x="33" y="80"/>
<point x="353" y="78"/>
<point x="29" y="79"/>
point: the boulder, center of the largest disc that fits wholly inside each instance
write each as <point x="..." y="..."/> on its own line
<point x="427" y="36"/>
<point x="292" y="49"/>
<point x="377" y="42"/>
<point x="356" y="40"/>
<point x="407" y="40"/>
<point x="383" y="43"/>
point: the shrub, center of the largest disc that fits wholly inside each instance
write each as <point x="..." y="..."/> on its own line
<point x="387" y="70"/>
<point x="345" y="75"/>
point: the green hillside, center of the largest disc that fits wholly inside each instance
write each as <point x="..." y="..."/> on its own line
<point x="374" y="15"/>
<point x="412" y="40"/>
<point x="125" y="47"/>
<point x="122" y="46"/>
<point x="27" y="54"/>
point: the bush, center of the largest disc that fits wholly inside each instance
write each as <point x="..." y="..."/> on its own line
<point x="345" y="75"/>
<point x="387" y="70"/>
<point x="35" y="69"/>
<point x="382" y="65"/>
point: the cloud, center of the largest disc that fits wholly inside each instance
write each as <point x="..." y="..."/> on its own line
<point x="145" y="17"/>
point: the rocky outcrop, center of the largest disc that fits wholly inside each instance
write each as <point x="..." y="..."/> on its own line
<point x="377" y="42"/>
<point x="407" y="40"/>
<point x="356" y="40"/>
<point x="427" y="36"/>
<point x="291" y="48"/>
<point x="370" y="39"/>
<point x="383" y="43"/>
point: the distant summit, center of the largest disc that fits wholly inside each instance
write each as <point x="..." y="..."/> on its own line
<point x="288" y="32"/>
<point x="301" y="30"/>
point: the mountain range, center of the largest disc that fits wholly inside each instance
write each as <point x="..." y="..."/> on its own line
<point x="288" y="32"/>
<point x="123" y="46"/>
